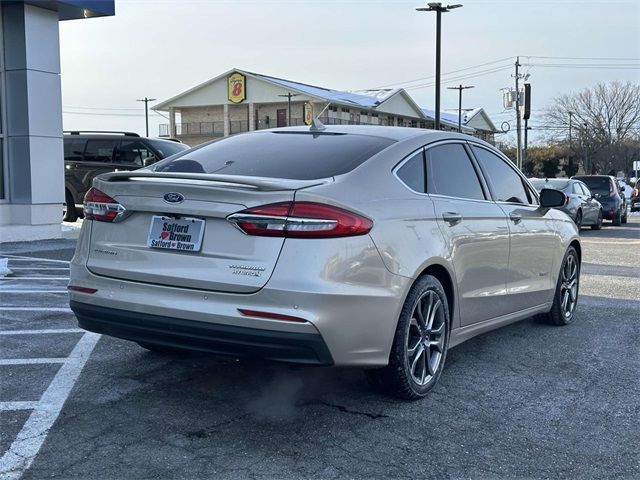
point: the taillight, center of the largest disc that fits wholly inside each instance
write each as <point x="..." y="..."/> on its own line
<point x="300" y="220"/>
<point x="101" y="207"/>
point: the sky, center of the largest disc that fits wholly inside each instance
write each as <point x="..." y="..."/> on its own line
<point x="160" y="48"/>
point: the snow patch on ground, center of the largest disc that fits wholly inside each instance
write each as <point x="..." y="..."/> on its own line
<point x="4" y="267"/>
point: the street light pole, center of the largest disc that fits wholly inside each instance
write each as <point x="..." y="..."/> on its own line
<point x="146" y="112"/>
<point x="289" y="95"/>
<point x="460" y="88"/>
<point x="439" y="9"/>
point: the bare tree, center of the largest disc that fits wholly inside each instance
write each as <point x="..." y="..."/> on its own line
<point x="605" y="121"/>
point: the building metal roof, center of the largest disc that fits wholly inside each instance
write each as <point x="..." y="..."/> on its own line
<point x="447" y="118"/>
<point x="468" y="114"/>
<point x="367" y="99"/>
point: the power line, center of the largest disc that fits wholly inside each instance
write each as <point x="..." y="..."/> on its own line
<point x="447" y="73"/>
<point x="579" y="66"/>
<point x="100" y="108"/>
<point x="108" y="114"/>
<point x="584" y="58"/>
<point x="461" y="77"/>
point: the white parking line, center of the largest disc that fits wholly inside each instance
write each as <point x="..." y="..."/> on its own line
<point x="35" y="309"/>
<point x="32" y="291"/>
<point x="20" y="258"/>
<point x="5" y="406"/>
<point x="39" y="268"/>
<point x="30" y="361"/>
<point x="35" y="278"/>
<point x="29" y="440"/>
<point x="41" y="332"/>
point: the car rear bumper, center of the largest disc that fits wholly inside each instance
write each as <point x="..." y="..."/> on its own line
<point x="301" y="348"/>
<point x="351" y="306"/>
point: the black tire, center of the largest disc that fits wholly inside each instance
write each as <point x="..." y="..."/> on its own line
<point x="162" y="349"/>
<point x="617" y="220"/>
<point x="558" y="314"/>
<point x="578" y="219"/>
<point x="598" y="224"/>
<point x="70" y="214"/>
<point x="624" y="219"/>
<point x="398" y="378"/>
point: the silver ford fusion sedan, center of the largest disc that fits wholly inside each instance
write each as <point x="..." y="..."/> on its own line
<point x="375" y="247"/>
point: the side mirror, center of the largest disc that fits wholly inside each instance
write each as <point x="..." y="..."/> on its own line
<point x="550" y="198"/>
<point x="149" y="161"/>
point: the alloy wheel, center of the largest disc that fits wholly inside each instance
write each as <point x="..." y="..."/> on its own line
<point x="569" y="286"/>
<point x="426" y="338"/>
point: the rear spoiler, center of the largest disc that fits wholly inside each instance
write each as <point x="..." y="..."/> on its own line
<point x="232" y="181"/>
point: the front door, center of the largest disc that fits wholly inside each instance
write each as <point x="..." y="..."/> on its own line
<point x="534" y="240"/>
<point x="281" y="115"/>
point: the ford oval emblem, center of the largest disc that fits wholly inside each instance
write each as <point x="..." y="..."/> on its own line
<point x="173" y="197"/>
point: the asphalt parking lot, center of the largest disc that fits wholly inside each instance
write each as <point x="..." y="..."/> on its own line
<point x="528" y="400"/>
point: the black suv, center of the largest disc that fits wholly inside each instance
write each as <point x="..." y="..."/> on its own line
<point x="87" y="154"/>
<point x="605" y="189"/>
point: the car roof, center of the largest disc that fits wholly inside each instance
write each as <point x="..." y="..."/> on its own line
<point x="392" y="133"/>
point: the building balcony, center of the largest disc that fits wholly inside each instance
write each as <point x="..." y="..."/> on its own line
<point x="216" y="129"/>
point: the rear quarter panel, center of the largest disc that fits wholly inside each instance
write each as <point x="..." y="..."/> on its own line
<point x="405" y="231"/>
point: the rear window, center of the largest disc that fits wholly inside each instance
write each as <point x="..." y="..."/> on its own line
<point x="167" y="148"/>
<point x="299" y="156"/>
<point x="597" y="184"/>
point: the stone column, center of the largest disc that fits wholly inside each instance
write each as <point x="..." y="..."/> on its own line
<point x="225" y="117"/>
<point x="252" y="117"/>
<point x="172" y="122"/>
<point x="33" y="129"/>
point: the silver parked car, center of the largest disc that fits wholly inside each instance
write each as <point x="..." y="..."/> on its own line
<point x="581" y="204"/>
<point x="375" y="247"/>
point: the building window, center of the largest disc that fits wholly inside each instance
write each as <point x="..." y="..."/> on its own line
<point x="345" y="110"/>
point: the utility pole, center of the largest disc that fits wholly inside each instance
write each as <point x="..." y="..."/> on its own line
<point x="526" y="140"/>
<point x="146" y="112"/>
<point x="570" y="125"/>
<point x="518" y="126"/>
<point x="585" y="147"/>
<point x="439" y="9"/>
<point x="460" y="88"/>
<point x="289" y="95"/>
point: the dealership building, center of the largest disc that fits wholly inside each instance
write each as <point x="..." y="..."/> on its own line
<point x="31" y="155"/>
<point x="241" y="101"/>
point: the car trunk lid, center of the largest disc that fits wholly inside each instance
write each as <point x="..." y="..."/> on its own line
<point x="227" y="261"/>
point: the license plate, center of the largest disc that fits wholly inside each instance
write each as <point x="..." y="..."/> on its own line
<point x="184" y="234"/>
<point x="636" y="205"/>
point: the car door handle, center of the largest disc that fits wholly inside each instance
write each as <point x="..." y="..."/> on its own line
<point x="515" y="217"/>
<point x="452" y="218"/>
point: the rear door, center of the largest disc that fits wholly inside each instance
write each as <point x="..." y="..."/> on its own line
<point x="97" y="158"/>
<point x="475" y="228"/>
<point x="131" y="154"/>
<point x="590" y="213"/>
<point x="534" y="239"/>
<point x="73" y="158"/>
